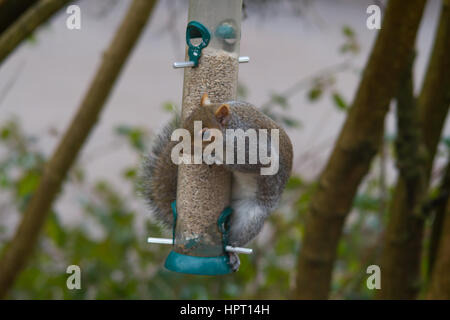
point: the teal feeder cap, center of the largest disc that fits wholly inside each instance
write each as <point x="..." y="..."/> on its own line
<point x="208" y="266"/>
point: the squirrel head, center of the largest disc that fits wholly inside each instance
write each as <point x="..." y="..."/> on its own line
<point x="212" y="116"/>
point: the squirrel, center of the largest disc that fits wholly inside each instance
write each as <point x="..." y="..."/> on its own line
<point x="253" y="196"/>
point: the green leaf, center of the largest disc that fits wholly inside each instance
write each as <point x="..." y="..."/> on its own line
<point x="348" y="31"/>
<point x="5" y="133"/>
<point x="130" y="173"/>
<point x="136" y="139"/>
<point x="345" y="48"/>
<point x="5" y="182"/>
<point x="32" y="39"/>
<point x="294" y="182"/>
<point x="339" y="101"/>
<point x="290" y="122"/>
<point x="314" y="94"/>
<point x="123" y="130"/>
<point x="285" y="245"/>
<point x="279" y="100"/>
<point x="135" y="136"/>
<point x="366" y="202"/>
<point x="169" y="106"/>
<point x="55" y="231"/>
<point x="28" y="183"/>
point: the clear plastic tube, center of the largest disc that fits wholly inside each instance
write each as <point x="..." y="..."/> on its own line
<point x="204" y="191"/>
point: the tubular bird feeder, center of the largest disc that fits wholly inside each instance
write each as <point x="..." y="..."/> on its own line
<point x="202" y="210"/>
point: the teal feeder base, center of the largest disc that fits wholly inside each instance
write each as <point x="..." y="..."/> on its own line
<point x="209" y="266"/>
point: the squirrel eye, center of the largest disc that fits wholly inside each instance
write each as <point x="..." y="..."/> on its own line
<point x="206" y="134"/>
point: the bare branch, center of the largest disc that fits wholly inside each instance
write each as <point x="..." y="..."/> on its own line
<point x="22" y="244"/>
<point x="27" y="23"/>
<point x="357" y="144"/>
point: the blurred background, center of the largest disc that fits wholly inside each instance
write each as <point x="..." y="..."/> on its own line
<point x="307" y="59"/>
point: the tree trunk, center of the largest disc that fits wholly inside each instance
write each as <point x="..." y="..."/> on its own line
<point x="439" y="208"/>
<point x="404" y="230"/>
<point x="440" y="281"/>
<point x="22" y="244"/>
<point x="357" y="144"/>
<point x="403" y="243"/>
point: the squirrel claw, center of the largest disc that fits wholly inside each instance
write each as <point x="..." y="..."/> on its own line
<point x="233" y="261"/>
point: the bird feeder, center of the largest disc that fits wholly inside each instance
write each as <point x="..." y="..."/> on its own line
<point x="202" y="209"/>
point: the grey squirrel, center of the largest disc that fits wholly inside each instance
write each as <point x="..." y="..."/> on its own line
<point x="254" y="196"/>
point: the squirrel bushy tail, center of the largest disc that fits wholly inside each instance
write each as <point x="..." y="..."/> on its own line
<point x="158" y="176"/>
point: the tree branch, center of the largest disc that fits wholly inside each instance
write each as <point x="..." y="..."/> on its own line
<point x="11" y="10"/>
<point x="440" y="281"/>
<point x="439" y="206"/>
<point x="358" y="142"/>
<point x="26" y="24"/>
<point x="22" y="244"/>
<point x="403" y="243"/>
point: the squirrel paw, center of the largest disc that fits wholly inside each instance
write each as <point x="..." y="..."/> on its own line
<point x="234" y="261"/>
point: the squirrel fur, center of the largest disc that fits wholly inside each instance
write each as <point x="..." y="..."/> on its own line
<point x="254" y="196"/>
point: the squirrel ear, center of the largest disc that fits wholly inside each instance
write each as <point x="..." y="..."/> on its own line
<point x="205" y="100"/>
<point x="223" y="114"/>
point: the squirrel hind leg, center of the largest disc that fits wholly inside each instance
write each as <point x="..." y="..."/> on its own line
<point x="246" y="221"/>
